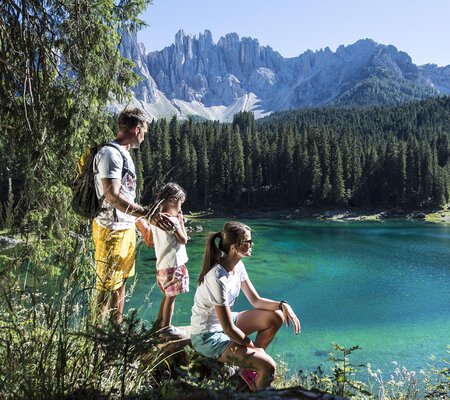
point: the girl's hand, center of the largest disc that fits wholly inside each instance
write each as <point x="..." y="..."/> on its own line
<point x="289" y="316"/>
<point x="146" y="232"/>
<point x="180" y="216"/>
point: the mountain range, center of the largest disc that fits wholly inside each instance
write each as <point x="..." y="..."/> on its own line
<point x="200" y="78"/>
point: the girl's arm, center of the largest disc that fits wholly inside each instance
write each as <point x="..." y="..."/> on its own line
<point x="230" y="329"/>
<point x="267" y="304"/>
<point x="144" y="228"/>
<point x="180" y="233"/>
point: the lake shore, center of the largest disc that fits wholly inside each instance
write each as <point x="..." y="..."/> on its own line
<point x="338" y="214"/>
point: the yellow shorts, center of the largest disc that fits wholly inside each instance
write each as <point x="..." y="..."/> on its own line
<point x="114" y="256"/>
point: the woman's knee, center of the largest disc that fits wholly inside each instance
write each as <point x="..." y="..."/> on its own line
<point x="267" y="365"/>
<point x="267" y="370"/>
<point x="272" y="367"/>
<point x="277" y="319"/>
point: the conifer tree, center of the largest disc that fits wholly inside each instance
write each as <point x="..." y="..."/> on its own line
<point x="191" y="178"/>
<point x="137" y="159"/>
<point x="164" y="146"/>
<point x="237" y="171"/>
<point x="60" y="66"/>
<point x="336" y="178"/>
<point x="203" y="174"/>
<point x="316" y="174"/>
<point x="324" y="151"/>
<point x="174" y="134"/>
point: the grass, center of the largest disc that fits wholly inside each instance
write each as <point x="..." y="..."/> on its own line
<point x="51" y="348"/>
<point x="439" y="216"/>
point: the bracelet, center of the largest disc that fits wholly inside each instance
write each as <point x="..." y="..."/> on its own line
<point x="280" y="306"/>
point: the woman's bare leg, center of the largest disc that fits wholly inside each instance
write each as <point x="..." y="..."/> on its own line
<point x="265" y="322"/>
<point x="255" y="359"/>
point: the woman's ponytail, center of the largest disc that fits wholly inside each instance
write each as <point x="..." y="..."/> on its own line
<point x="212" y="255"/>
<point x="232" y="233"/>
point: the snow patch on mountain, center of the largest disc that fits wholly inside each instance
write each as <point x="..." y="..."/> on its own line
<point x="197" y="77"/>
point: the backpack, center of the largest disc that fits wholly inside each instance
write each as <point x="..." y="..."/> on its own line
<point x="84" y="197"/>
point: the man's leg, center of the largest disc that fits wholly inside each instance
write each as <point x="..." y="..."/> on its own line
<point x="117" y="304"/>
<point x="103" y="300"/>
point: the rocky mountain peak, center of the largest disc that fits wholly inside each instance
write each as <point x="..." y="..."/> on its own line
<point x="197" y="76"/>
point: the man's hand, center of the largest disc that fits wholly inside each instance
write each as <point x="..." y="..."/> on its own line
<point x="162" y="221"/>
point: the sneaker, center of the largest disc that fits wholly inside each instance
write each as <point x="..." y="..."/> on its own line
<point x="170" y="333"/>
<point x="249" y="378"/>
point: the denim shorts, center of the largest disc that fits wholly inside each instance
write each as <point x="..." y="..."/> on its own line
<point x="212" y="344"/>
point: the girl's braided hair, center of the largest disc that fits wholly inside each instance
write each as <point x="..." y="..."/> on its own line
<point x="171" y="192"/>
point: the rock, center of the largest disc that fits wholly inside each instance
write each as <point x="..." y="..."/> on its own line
<point x="213" y="369"/>
<point x="293" y="393"/>
<point x="398" y="213"/>
<point x="419" y="215"/>
<point x="195" y="75"/>
<point x="383" y="215"/>
<point x="8" y="243"/>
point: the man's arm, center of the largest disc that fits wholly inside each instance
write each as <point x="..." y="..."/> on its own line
<point x="111" y="189"/>
<point x="113" y="195"/>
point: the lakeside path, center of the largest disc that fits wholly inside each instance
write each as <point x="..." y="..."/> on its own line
<point x="437" y="216"/>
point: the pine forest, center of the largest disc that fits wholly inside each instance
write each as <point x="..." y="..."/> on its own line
<point x="325" y="157"/>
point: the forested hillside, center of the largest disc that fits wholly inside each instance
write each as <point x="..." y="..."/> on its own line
<point x="370" y="157"/>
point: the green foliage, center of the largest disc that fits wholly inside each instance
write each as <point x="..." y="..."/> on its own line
<point x="384" y="88"/>
<point x="437" y="379"/>
<point x="50" y="350"/>
<point x="378" y="157"/>
<point x="60" y="65"/>
<point x="403" y="384"/>
<point x="344" y="372"/>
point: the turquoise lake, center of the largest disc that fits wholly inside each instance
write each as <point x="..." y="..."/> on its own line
<point x="384" y="286"/>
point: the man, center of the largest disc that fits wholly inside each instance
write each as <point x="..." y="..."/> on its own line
<point x="114" y="228"/>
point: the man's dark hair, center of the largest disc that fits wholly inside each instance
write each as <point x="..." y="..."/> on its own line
<point x="131" y="117"/>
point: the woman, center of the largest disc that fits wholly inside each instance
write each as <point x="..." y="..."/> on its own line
<point x="219" y="333"/>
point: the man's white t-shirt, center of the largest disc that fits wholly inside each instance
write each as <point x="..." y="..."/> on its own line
<point x="169" y="252"/>
<point x="218" y="288"/>
<point x="108" y="163"/>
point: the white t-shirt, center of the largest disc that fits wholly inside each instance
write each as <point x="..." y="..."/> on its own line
<point x="108" y="163"/>
<point x="169" y="252"/>
<point x="219" y="288"/>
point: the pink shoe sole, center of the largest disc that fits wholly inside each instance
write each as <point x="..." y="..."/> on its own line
<point x="249" y="378"/>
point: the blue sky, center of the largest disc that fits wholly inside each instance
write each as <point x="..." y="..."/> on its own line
<point x="419" y="27"/>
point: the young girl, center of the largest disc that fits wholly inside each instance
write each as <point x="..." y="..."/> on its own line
<point x="171" y="272"/>
<point x="219" y="333"/>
